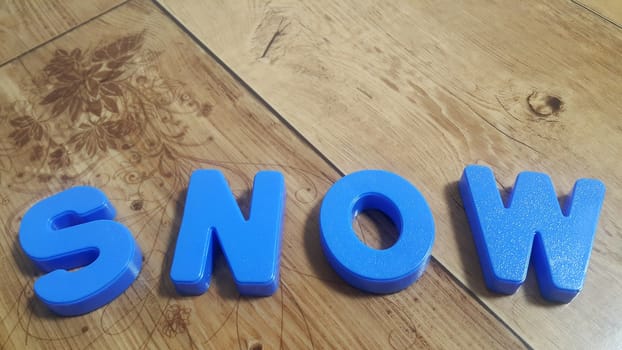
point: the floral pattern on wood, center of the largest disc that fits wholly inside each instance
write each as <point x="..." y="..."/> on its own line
<point x="86" y="103"/>
<point x="176" y="320"/>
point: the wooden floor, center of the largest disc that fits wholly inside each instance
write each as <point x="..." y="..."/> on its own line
<point x="131" y="96"/>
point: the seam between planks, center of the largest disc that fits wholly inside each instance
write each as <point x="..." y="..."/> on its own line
<point x="598" y="14"/>
<point x="17" y="57"/>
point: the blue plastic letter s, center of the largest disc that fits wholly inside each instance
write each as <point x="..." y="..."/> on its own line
<point x="252" y="247"/>
<point x="373" y="270"/>
<point x="532" y="225"/>
<point x="73" y="229"/>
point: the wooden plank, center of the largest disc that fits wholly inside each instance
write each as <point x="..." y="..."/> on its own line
<point x="25" y="24"/>
<point x="609" y="9"/>
<point x="425" y="88"/>
<point x="153" y="108"/>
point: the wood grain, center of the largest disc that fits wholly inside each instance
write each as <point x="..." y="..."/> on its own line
<point x="25" y="24"/>
<point x="425" y="88"/>
<point x="130" y="104"/>
<point x="609" y="9"/>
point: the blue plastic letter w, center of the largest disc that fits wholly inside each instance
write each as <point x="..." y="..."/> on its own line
<point x="252" y="247"/>
<point x="532" y="225"/>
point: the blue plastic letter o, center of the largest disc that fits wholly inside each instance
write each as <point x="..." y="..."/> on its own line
<point x="366" y="268"/>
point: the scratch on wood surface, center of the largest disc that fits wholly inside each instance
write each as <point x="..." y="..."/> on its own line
<point x="506" y="109"/>
<point x="277" y="33"/>
<point x="365" y="93"/>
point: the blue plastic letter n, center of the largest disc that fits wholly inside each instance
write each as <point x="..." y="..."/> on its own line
<point x="532" y="226"/>
<point x="252" y="247"/>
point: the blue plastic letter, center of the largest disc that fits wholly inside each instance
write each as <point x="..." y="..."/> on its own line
<point x="252" y="247"/>
<point x="366" y="268"/>
<point x="73" y="229"/>
<point x="504" y="236"/>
